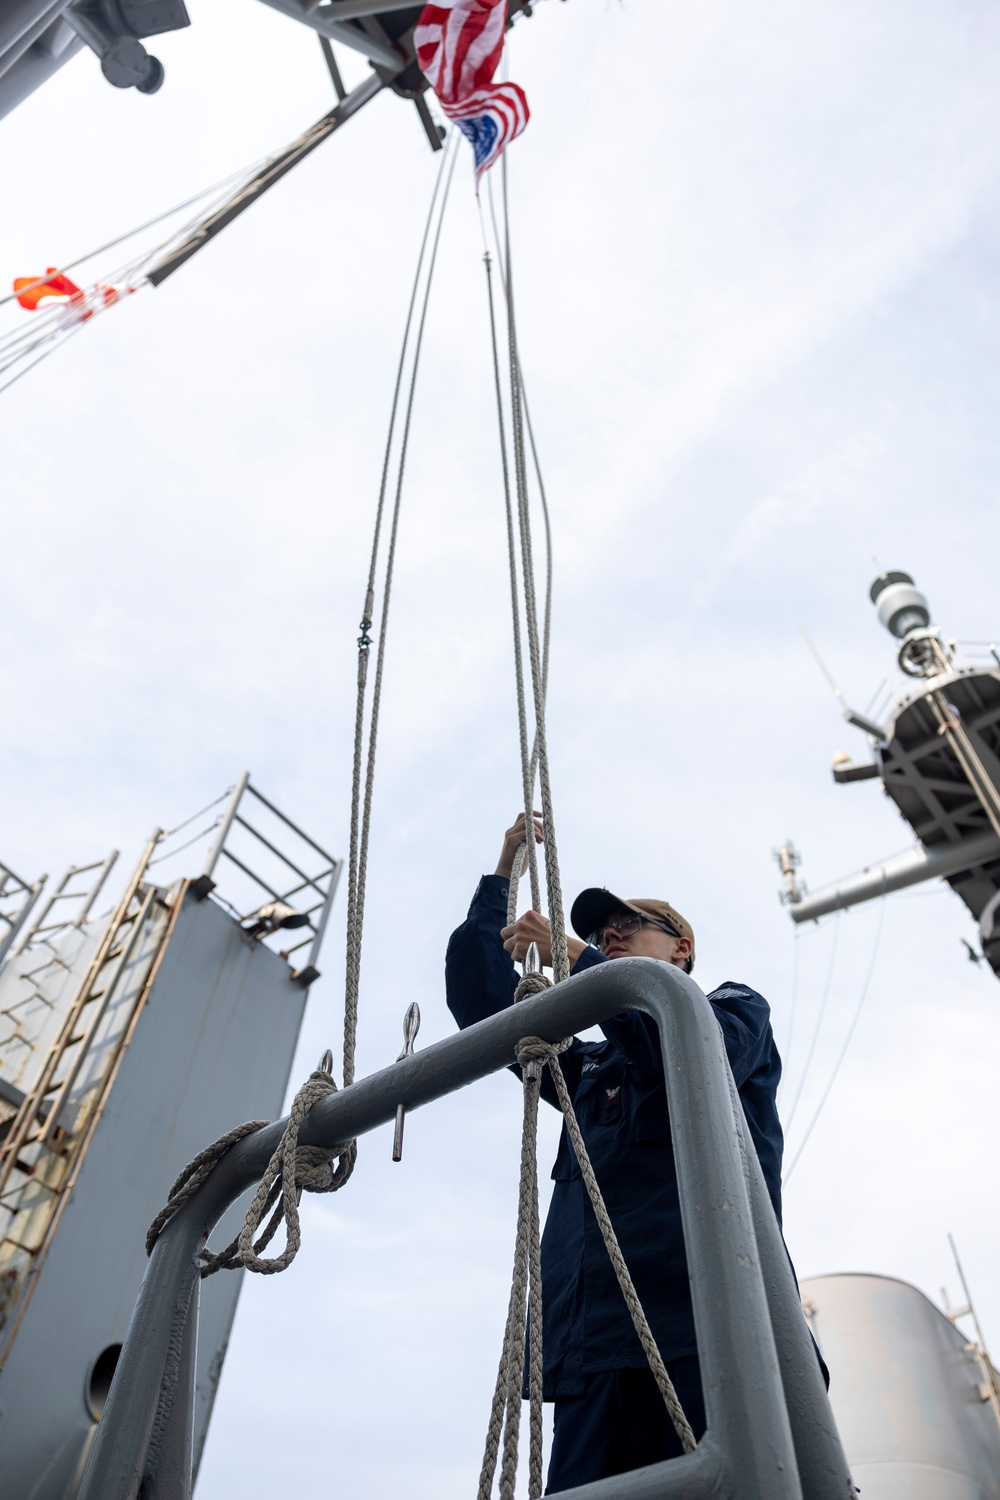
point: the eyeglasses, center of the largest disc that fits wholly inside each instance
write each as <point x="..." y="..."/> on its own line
<point x="625" y="927"/>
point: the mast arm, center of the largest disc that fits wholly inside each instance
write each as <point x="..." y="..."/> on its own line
<point x="266" y="178"/>
<point x="894" y="874"/>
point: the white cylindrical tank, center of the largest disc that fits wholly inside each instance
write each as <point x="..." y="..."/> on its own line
<point x="907" y="1391"/>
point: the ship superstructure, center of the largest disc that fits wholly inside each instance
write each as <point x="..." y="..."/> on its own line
<point x="126" y="1040"/>
<point x="38" y="37"/>
<point x="916" y="1400"/>
<point x="933" y="734"/>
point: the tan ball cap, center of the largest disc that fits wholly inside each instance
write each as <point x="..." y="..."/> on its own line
<point x="593" y="906"/>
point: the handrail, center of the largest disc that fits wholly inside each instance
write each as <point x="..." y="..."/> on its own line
<point x="770" y="1431"/>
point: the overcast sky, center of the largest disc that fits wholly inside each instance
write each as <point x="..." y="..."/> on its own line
<point x="757" y="254"/>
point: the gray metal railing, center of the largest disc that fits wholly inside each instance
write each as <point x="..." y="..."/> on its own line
<point x="770" y="1430"/>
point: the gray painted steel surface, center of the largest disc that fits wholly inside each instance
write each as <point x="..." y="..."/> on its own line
<point x="771" y="1431"/>
<point x="938" y="757"/>
<point x="905" y="1389"/>
<point x="212" y="1044"/>
<point x="895" y="874"/>
<point x="922" y="775"/>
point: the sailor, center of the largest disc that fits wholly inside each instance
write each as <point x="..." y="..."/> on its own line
<point x="609" y="1414"/>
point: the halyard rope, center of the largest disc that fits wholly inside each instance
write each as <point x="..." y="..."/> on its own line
<point x="526" y="856"/>
<point x="294" y="1168"/>
<point x="361" y="811"/>
<point x="532" y="1053"/>
<point x="560" y="956"/>
<point x="535" y="1048"/>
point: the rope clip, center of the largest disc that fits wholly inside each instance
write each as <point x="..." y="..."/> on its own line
<point x="411" y="1025"/>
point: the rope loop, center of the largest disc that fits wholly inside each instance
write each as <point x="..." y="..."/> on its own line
<point x="292" y="1170"/>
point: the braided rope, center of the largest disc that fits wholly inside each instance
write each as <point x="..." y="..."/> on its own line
<point x="532" y="1053"/>
<point x="560" y="953"/>
<point x="525" y="1296"/>
<point x="527" y="855"/>
<point x="361" y="801"/>
<point x="532" y="1049"/>
<point x="191" y="1177"/>
<point x="292" y="1170"/>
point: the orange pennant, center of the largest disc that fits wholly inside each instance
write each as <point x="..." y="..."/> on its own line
<point x="30" y="290"/>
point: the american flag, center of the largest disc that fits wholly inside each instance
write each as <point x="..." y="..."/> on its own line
<point x="458" y="49"/>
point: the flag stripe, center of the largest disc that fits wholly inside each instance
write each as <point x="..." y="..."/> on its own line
<point x="458" y="50"/>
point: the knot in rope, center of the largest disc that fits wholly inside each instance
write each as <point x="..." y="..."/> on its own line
<point x="533" y="1052"/>
<point x="532" y="984"/>
<point x="314" y="1170"/>
<point x="292" y="1170"/>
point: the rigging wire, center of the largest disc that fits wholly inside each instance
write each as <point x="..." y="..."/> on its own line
<point x="120" y="239"/>
<point x="528" y="860"/>
<point x="543" y="499"/>
<point x="530" y="857"/>
<point x="361" y="791"/>
<point x="546" y="519"/>
<point x="186" y="845"/>
<point x="201" y="812"/>
<point x="557" y="921"/>
<point x="55" y="324"/>
<point x="847" y="1042"/>
<point x="818" y="1027"/>
<point x="35" y="362"/>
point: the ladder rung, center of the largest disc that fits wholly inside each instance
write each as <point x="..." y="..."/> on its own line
<point x="9" y="1239"/>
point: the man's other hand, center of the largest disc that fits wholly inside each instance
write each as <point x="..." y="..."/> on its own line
<point x="534" y="928"/>
<point x="512" y="841"/>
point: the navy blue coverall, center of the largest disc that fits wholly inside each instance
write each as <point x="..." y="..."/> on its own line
<point x="609" y="1416"/>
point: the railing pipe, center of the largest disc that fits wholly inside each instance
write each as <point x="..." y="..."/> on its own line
<point x="226" y="823"/>
<point x="324" y="916"/>
<point x="171" y="1457"/>
<point x="749" y="1330"/>
<point x="823" y="1469"/>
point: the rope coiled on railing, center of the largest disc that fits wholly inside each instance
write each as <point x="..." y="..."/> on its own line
<point x="292" y="1170"/>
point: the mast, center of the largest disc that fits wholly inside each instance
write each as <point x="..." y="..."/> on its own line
<point x="934" y="743"/>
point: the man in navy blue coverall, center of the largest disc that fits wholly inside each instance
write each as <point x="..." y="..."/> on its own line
<point x="609" y="1415"/>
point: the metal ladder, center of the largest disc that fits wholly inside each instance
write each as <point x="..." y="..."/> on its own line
<point x="25" y="1019"/>
<point x="46" y="1139"/>
<point x="14" y="890"/>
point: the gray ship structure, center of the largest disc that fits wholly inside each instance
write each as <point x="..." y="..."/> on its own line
<point x="933" y="735"/>
<point x="127" y="1041"/>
